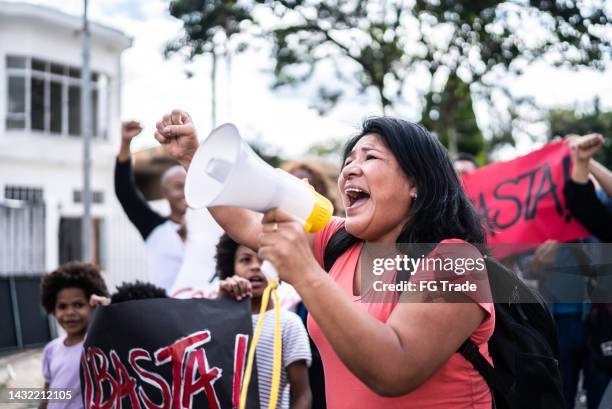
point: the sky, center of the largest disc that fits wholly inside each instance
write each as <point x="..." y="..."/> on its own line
<point x="283" y="120"/>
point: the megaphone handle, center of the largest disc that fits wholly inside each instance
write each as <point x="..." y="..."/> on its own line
<point x="269" y="271"/>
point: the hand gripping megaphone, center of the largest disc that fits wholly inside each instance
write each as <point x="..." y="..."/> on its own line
<point x="226" y="172"/>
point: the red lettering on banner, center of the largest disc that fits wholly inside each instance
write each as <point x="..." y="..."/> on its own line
<point x="191" y="374"/>
<point x="151" y="378"/>
<point x="126" y="385"/>
<point x="87" y="377"/>
<point x="176" y="354"/>
<point x="198" y="364"/>
<point x="240" y="350"/>
<point x="101" y="374"/>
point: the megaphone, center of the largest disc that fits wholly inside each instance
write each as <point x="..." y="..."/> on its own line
<point x="226" y="172"/>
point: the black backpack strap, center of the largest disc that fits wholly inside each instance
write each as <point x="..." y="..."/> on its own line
<point x="469" y="351"/>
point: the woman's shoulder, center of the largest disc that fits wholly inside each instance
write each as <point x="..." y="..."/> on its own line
<point x="322" y="238"/>
<point x="334" y="224"/>
<point x="469" y="266"/>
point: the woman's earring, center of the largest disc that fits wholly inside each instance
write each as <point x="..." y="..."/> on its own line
<point x="414" y="196"/>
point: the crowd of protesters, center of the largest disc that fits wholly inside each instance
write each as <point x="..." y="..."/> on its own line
<point x="397" y="184"/>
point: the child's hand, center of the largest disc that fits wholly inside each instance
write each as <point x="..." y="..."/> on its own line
<point x="96" y="300"/>
<point x="236" y="287"/>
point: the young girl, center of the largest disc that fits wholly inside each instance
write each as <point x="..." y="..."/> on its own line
<point x="239" y="270"/>
<point x="65" y="293"/>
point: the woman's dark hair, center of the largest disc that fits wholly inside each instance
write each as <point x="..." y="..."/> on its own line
<point x="441" y="210"/>
<point x="226" y="251"/>
<point x="74" y="274"/>
<point x="137" y="291"/>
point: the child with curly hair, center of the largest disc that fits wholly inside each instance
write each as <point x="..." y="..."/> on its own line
<point x="65" y="293"/>
<point x="138" y="290"/>
<point x="239" y="270"/>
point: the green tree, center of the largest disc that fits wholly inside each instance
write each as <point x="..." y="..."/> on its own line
<point x="269" y="154"/>
<point x="207" y="28"/>
<point x="360" y="45"/>
<point x="330" y="150"/>
<point x="566" y="121"/>
<point x="450" y="115"/>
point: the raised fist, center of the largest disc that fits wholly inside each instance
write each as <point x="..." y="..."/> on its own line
<point x="178" y="136"/>
<point x="129" y="129"/>
<point x="585" y="147"/>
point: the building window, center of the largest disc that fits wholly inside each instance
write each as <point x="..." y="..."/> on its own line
<point x="71" y="240"/>
<point x="27" y="194"/>
<point x="97" y="196"/>
<point x="45" y="96"/>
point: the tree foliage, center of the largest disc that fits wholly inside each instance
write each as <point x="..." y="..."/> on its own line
<point x="378" y="43"/>
<point x="389" y="46"/>
<point x="203" y="23"/>
<point x="451" y="117"/>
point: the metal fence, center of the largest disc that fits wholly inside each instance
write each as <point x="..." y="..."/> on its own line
<point x="23" y="323"/>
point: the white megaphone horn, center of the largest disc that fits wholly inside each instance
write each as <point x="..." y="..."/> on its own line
<point x="226" y="172"/>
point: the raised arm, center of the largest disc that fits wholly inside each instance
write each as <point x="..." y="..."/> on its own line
<point x="133" y="203"/>
<point x="177" y="134"/>
<point x="583" y="149"/>
<point x="579" y="191"/>
<point x="603" y="175"/>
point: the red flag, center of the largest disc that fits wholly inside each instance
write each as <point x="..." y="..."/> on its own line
<point x="522" y="200"/>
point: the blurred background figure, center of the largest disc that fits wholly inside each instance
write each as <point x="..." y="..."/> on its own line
<point x="465" y="164"/>
<point x="570" y="276"/>
<point x="164" y="237"/>
<point x="321" y="176"/>
<point x="137" y="290"/>
<point x="588" y="208"/>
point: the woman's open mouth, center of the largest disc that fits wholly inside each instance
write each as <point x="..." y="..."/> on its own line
<point x="356" y="197"/>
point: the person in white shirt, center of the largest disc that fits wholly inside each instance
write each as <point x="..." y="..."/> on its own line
<point x="164" y="237"/>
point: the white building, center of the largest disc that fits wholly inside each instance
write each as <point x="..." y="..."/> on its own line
<point x="41" y="175"/>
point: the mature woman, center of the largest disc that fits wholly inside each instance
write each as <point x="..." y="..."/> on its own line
<point x="398" y="186"/>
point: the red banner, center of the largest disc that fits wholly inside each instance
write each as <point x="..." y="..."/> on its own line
<point x="522" y="200"/>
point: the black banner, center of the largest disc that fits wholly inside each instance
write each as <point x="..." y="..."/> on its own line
<point x="168" y="354"/>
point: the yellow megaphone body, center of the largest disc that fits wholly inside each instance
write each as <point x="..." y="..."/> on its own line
<point x="226" y="172"/>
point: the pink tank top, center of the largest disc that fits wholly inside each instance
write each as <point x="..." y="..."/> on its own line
<point x="455" y="385"/>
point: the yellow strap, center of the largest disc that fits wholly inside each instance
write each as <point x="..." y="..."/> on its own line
<point x="271" y="287"/>
<point x="278" y="346"/>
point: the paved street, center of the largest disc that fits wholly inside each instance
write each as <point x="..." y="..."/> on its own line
<point x="21" y="370"/>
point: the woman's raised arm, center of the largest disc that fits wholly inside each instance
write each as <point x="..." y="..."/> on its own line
<point x="178" y="136"/>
